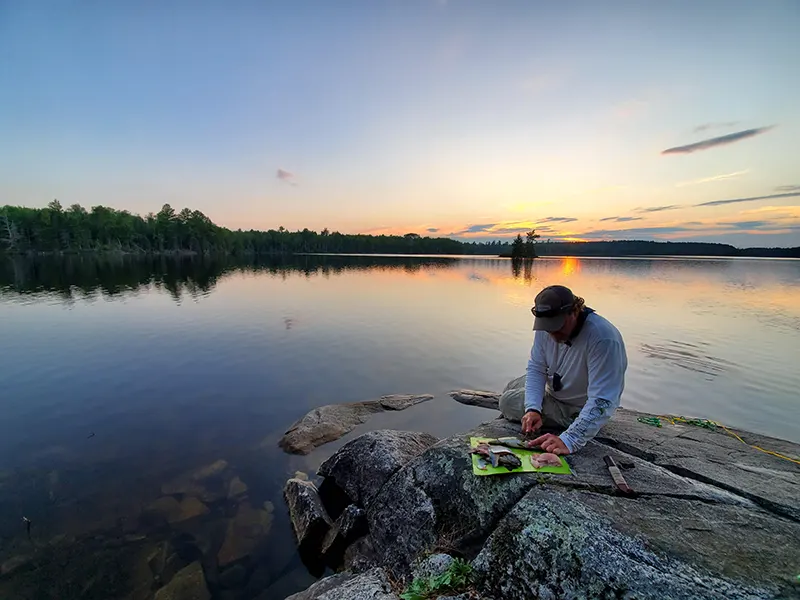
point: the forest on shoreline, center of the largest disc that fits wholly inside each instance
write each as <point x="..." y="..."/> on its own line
<point x="54" y="230"/>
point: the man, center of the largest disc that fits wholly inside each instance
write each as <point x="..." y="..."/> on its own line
<point x="575" y="374"/>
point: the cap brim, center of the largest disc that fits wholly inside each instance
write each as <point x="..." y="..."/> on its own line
<point x="549" y="324"/>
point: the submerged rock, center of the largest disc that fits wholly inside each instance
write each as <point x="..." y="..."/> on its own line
<point x="175" y="512"/>
<point x="237" y="487"/>
<point x="362" y="466"/>
<point x="244" y="533"/>
<point x="203" y="483"/>
<point x="187" y="584"/>
<point x="328" y="423"/>
<point x="370" y="585"/>
<point x="310" y="522"/>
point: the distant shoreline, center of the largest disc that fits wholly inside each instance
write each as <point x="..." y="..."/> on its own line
<point x="790" y="253"/>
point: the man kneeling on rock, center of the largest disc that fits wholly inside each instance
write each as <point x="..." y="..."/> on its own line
<point x="575" y="374"/>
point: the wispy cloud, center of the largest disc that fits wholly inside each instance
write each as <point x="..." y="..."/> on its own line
<point x="621" y="219"/>
<point x="713" y="178"/>
<point x="557" y="220"/>
<point x="652" y="209"/>
<point x="433" y="229"/>
<point x="753" y="199"/>
<point x="286" y="177"/>
<point x="717" y="141"/>
<point x="788" y="188"/>
<point x="480" y="228"/>
<point x="707" y="126"/>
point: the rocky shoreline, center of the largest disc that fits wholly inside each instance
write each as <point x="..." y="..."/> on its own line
<point x="710" y="517"/>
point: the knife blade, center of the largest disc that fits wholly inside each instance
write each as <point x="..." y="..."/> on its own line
<point x="616" y="475"/>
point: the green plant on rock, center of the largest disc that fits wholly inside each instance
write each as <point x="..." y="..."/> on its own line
<point x="455" y="579"/>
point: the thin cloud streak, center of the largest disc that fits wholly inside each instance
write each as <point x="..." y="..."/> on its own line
<point x="753" y="199"/>
<point x="717" y="141"/>
<point x="714" y="178"/>
<point x="788" y="188"/>
<point x="621" y="219"/>
<point x="652" y="209"/>
<point x="557" y="220"/>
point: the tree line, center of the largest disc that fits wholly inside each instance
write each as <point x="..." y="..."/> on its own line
<point x="103" y="229"/>
<point x="54" y="229"/>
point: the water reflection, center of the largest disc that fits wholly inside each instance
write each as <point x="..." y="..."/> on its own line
<point x="71" y="278"/>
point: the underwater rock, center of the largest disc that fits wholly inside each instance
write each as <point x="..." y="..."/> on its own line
<point x="187" y="584"/>
<point x="175" y="512"/>
<point x="196" y="483"/>
<point x="237" y="487"/>
<point x="244" y="533"/>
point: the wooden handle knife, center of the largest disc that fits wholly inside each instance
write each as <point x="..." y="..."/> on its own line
<point x="616" y="475"/>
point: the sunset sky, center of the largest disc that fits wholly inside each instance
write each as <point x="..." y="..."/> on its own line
<point x="587" y="120"/>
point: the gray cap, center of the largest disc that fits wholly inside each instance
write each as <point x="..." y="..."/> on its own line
<point x="551" y="307"/>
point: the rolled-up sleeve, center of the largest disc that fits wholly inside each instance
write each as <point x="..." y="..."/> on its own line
<point x="606" y="363"/>
<point x="535" y="375"/>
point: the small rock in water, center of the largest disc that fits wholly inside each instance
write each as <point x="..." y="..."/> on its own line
<point x="237" y="487"/>
<point x="301" y="475"/>
<point x="192" y="483"/>
<point x="245" y="531"/>
<point x="188" y="584"/>
<point x="175" y="512"/>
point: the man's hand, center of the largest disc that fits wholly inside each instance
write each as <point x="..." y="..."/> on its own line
<point x="531" y="421"/>
<point x="551" y="443"/>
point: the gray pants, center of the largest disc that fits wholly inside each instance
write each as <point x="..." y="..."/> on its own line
<point x="556" y="416"/>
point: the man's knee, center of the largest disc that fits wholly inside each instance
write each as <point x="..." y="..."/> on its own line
<point x="512" y="404"/>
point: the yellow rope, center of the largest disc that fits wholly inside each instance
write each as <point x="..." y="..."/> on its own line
<point x="674" y="420"/>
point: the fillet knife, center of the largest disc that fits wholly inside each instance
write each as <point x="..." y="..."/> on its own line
<point x="616" y="475"/>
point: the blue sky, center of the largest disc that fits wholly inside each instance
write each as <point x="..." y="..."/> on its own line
<point x="464" y="118"/>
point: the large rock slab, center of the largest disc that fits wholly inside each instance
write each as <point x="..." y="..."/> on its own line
<point x="362" y="466"/>
<point x="435" y="501"/>
<point x="328" y="423"/>
<point x="370" y="585"/>
<point x="561" y="543"/>
<point x="715" y="457"/>
<point x="309" y="520"/>
<point x="187" y="584"/>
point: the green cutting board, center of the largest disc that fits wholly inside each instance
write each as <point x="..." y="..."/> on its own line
<point x="523" y="455"/>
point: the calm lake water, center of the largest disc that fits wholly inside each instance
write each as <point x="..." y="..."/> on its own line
<point x="117" y="376"/>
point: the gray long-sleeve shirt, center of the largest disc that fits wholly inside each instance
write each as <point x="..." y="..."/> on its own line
<point x="592" y="372"/>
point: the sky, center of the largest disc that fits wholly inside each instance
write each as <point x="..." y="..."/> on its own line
<point x="674" y="120"/>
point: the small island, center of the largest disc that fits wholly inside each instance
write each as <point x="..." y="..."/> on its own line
<point x="714" y="513"/>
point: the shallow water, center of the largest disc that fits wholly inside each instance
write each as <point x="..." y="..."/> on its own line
<point x="119" y="375"/>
